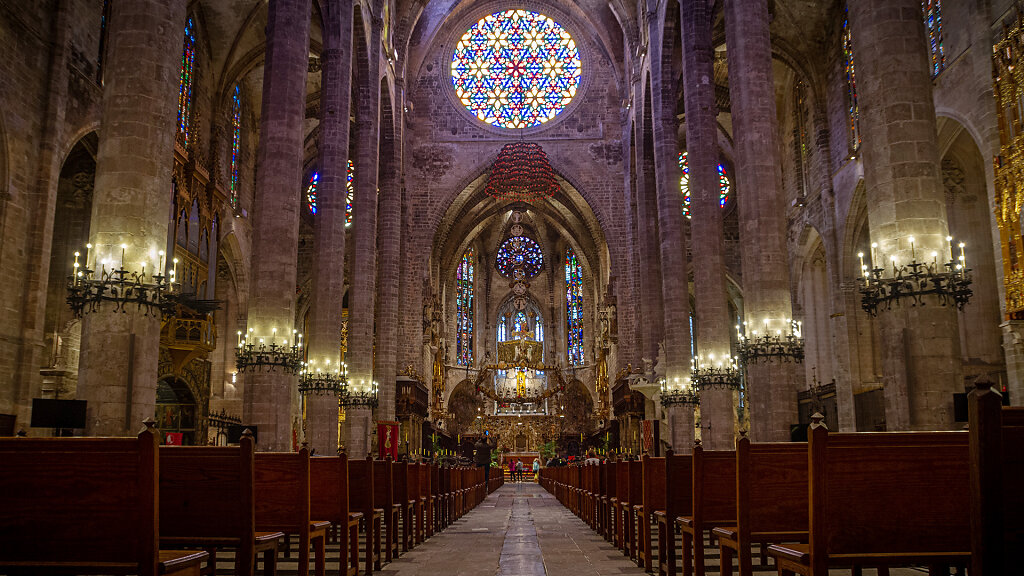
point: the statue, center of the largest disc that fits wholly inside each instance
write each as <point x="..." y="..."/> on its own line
<point x="659" y="366"/>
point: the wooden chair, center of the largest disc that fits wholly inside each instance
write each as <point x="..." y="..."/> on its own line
<point x="714" y="503"/>
<point x="85" y="506"/>
<point x="997" y="473"/>
<point x="653" y="499"/>
<point x="329" y="490"/>
<point x="207" y="502"/>
<point x="678" y="502"/>
<point x="884" y="499"/>
<point x="384" y="498"/>
<point x="361" y="489"/>
<point x="771" y="502"/>
<point x="281" y="491"/>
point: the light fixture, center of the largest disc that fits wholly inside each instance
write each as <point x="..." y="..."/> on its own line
<point x="522" y="172"/>
<point x="319" y="381"/>
<point x="365" y="395"/>
<point x="679" y="393"/>
<point x="256" y="355"/>
<point x="767" y="346"/>
<point x="948" y="283"/>
<point x="154" y="295"/>
<point x="722" y="372"/>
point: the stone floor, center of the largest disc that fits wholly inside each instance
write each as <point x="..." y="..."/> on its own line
<point x="520" y="530"/>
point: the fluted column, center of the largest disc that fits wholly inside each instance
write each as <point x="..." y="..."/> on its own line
<point x="328" y="262"/>
<point x="718" y="415"/>
<point x="674" y="280"/>
<point x="120" y="352"/>
<point x="906" y="199"/>
<point x="362" y="296"/>
<point x="771" y="385"/>
<point x="271" y="397"/>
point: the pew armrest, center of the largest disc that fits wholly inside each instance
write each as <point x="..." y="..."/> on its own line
<point x="181" y="561"/>
<point x="796" y="553"/>
<point x="685" y="522"/>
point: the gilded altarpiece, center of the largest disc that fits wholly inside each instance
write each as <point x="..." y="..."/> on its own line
<point x="1008" y="86"/>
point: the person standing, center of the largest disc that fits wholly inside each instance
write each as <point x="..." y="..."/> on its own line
<point x="483" y="459"/>
<point x="536" y="469"/>
<point x="519" y="470"/>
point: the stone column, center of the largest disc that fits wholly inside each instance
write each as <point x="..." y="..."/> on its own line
<point x="271" y="397"/>
<point x="718" y="415"/>
<point x="389" y="243"/>
<point x="674" y="273"/>
<point x="649" y="272"/>
<point x="771" y="385"/>
<point x="120" y="352"/>
<point x="356" y="428"/>
<point x="328" y="264"/>
<point x="905" y="197"/>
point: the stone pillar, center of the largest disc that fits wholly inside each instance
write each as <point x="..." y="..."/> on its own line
<point x="120" y="352"/>
<point x="771" y="385"/>
<point x="627" y="287"/>
<point x="649" y="271"/>
<point x="328" y="267"/>
<point x="718" y="415"/>
<point x="356" y="428"/>
<point x="271" y="397"/>
<point x="674" y="273"/>
<point x="905" y="198"/>
<point x="389" y="243"/>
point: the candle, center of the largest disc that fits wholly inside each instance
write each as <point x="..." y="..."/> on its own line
<point x="963" y="259"/>
<point x="88" y="252"/>
<point x="162" y="270"/>
<point x="873" y="259"/>
<point x="123" y="248"/>
<point x="239" y="344"/>
<point x="949" y="243"/>
<point x="273" y="336"/>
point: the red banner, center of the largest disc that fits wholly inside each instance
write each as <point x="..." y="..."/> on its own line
<point x="387" y="440"/>
<point x="173" y="439"/>
<point x="647" y="433"/>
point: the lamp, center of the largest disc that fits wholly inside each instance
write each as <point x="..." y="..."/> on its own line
<point x="788" y="347"/>
<point x="679" y="393"/>
<point x="255" y="355"/>
<point x="715" y="374"/>
<point x="949" y="283"/>
<point x="151" y="294"/>
<point x="364" y="396"/>
<point x="522" y="172"/>
<point x="313" y="380"/>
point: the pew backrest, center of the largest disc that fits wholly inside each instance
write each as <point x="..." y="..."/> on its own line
<point x="361" y="486"/>
<point x="771" y="486"/>
<point x="622" y="481"/>
<point x="678" y="486"/>
<point x="383" y="490"/>
<point x="714" y="486"/>
<point x="328" y="477"/>
<point x="653" y="483"/>
<point x="281" y="491"/>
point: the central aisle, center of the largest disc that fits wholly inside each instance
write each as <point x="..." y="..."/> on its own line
<point x="519" y="530"/>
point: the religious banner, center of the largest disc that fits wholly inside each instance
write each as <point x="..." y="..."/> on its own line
<point x="173" y="438"/>
<point x="387" y="440"/>
<point x="647" y="435"/>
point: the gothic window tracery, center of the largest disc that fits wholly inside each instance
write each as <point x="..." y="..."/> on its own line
<point x="312" y="188"/>
<point x="520" y="251"/>
<point x="574" y="307"/>
<point x="933" y="26"/>
<point x="516" y="69"/>
<point x="851" y="85"/>
<point x="187" y="79"/>
<point x="464" y="308"/>
<point x="236" y="142"/>
<point x="684" y="184"/>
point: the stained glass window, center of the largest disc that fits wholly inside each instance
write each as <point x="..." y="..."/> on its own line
<point x="516" y="69"/>
<point x="311" y="190"/>
<point x="236" y="141"/>
<point x="933" y="25"/>
<point x="574" y="307"/>
<point x="851" y="85"/>
<point x="800" y="138"/>
<point x="464" y="309"/>
<point x="520" y="251"/>
<point x="684" y="184"/>
<point x="188" y="71"/>
<point x="104" y="27"/>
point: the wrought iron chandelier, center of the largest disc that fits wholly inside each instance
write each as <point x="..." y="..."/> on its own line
<point x="949" y="283"/>
<point x="256" y="355"/>
<point x="785" y="347"/>
<point x="365" y="395"/>
<point x="679" y="393"/>
<point x="154" y="295"/>
<point x="317" y="381"/>
<point x="522" y="172"/>
<point x="721" y="373"/>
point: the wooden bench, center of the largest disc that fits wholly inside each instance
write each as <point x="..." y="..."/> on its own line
<point x="678" y="502"/>
<point x="329" y="496"/>
<point x="883" y="499"/>
<point x="404" y="497"/>
<point x="85" y="506"/>
<point x="418" y="502"/>
<point x="714" y="503"/>
<point x="620" y="504"/>
<point x="427" y="502"/>
<point x="384" y="499"/>
<point x="997" y="474"/>
<point x="281" y="491"/>
<point x="608" y="500"/>
<point x="636" y="499"/>
<point x="653" y="499"/>
<point x="771" y="502"/>
<point x="207" y="502"/>
<point x="361" y="489"/>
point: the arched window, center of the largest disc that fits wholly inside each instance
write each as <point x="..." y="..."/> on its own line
<point x="684" y="184"/>
<point x="801" y="141"/>
<point x="516" y="69"/>
<point x="236" y="142"/>
<point x="464" y="309"/>
<point x="574" y="307"/>
<point x="101" y="59"/>
<point x="933" y="26"/>
<point x="188" y="72"/>
<point x="313" y="185"/>
<point x="519" y="251"/>
<point x="851" y="84"/>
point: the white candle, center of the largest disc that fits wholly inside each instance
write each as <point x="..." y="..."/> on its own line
<point x="949" y="243"/>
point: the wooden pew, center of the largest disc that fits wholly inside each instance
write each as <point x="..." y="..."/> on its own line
<point x="207" y="501"/>
<point x="621" y="503"/>
<point x="436" y="495"/>
<point x="329" y="496"/>
<point x="636" y="497"/>
<point x="609" y="500"/>
<point x="85" y="505"/>
<point x="997" y="473"/>
<point x="384" y="498"/>
<point x="714" y="503"/>
<point x="427" y="501"/>
<point x="678" y="502"/>
<point x="884" y="499"/>
<point x="419" y="503"/>
<point x="653" y="474"/>
<point x="404" y="498"/>
<point x="281" y="491"/>
<point x="361" y="488"/>
<point x="771" y="501"/>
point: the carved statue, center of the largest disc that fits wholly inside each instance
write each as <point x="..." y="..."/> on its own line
<point x="659" y="366"/>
